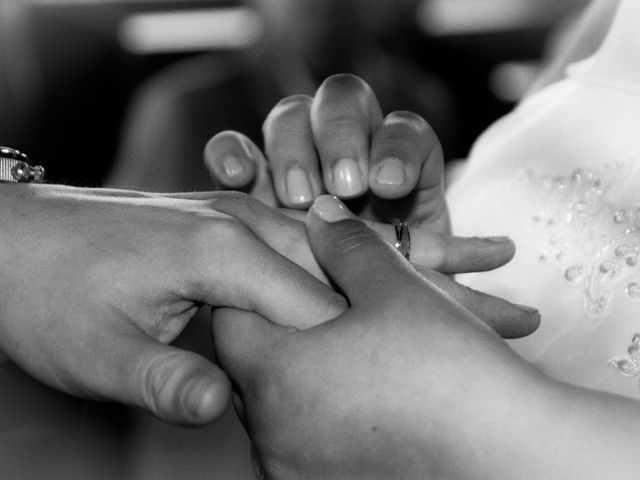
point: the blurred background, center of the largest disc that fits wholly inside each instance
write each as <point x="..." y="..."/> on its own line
<point x="127" y="92"/>
<point x="119" y="89"/>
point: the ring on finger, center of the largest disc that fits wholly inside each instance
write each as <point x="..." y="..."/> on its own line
<point x="403" y="237"/>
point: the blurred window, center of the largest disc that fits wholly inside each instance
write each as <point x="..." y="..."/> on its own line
<point x="454" y="17"/>
<point x="190" y="30"/>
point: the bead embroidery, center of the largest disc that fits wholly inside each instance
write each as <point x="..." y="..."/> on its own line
<point x="596" y="243"/>
<point x="629" y="365"/>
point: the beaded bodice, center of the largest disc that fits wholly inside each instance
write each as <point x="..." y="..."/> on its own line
<point x="561" y="176"/>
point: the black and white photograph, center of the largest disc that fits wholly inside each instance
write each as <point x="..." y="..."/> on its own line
<point x="319" y="239"/>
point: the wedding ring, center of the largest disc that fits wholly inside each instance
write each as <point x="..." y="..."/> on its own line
<point x="403" y="238"/>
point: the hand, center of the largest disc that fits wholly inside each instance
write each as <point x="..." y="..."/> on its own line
<point x="407" y="383"/>
<point x="344" y="116"/>
<point x="385" y="390"/>
<point x="95" y="284"/>
<point x="288" y="236"/>
<point x="339" y="142"/>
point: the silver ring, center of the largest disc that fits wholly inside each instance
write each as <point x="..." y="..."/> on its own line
<point x="403" y="237"/>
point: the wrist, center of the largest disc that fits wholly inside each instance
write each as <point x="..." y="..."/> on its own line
<point x="547" y="429"/>
<point x="496" y="427"/>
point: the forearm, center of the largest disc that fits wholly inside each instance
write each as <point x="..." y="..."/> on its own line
<point x="554" y="430"/>
<point x="587" y="434"/>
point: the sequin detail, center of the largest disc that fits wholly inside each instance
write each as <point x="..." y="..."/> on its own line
<point x="594" y="243"/>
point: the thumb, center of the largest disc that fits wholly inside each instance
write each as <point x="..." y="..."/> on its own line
<point x="371" y="271"/>
<point x="175" y="385"/>
<point x="361" y="263"/>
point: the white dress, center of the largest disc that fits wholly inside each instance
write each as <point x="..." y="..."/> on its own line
<point x="561" y="176"/>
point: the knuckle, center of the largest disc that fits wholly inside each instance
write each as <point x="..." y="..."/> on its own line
<point x="165" y="325"/>
<point x="160" y="382"/>
<point x="408" y="133"/>
<point x="228" y="231"/>
<point x="294" y="101"/>
<point x="407" y="118"/>
<point x="340" y="135"/>
<point x="226" y="138"/>
<point x="343" y="94"/>
<point x="438" y="257"/>
<point x="346" y="83"/>
<point x="224" y="135"/>
<point x="289" y="108"/>
<point x="153" y="375"/>
<point x="226" y="142"/>
<point x="222" y="236"/>
<point x="359" y="240"/>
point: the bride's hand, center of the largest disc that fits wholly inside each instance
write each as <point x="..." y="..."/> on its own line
<point x="391" y="167"/>
<point x="402" y="384"/>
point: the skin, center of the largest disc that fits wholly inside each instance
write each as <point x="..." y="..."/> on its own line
<point x="344" y="120"/>
<point x="96" y="283"/>
<point x="397" y="161"/>
<point x="408" y="384"/>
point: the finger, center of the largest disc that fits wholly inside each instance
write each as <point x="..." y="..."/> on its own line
<point x="175" y="385"/>
<point x="449" y="254"/>
<point x="358" y="260"/>
<point x="436" y="251"/>
<point x="507" y="319"/>
<point x="351" y="252"/>
<point x="292" y="156"/>
<point x="431" y="210"/>
<point x="242" y="340"/>
<point x="400" y="148"/>
<point x="235" y="163"/>
<point x="407" y="173"/>
<point x="282" y="230"/>
<point x="344" y="114"/>
<point x="228" y="156"/>
<point x="246" y="273"/>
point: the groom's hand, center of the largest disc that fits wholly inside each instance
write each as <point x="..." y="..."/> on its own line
<point x="96" y="284"/>
<point x="398" y="386"/>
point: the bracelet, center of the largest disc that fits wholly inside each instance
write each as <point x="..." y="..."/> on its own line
<point x="15" y="166"/>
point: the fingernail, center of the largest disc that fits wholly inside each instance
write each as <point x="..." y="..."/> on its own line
<point x="526" y="308"/>
<point x="232" y="166"/>
<point x="391" y="172"/>
<point x="298" y="185"/>
<point x="346" y="178"/>
<point x="330" y="209"/>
